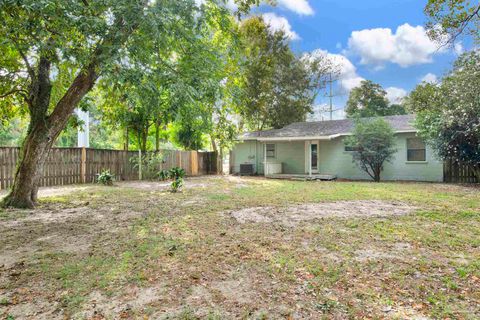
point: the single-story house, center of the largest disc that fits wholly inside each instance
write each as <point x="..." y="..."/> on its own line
<point x="317" y="149"/>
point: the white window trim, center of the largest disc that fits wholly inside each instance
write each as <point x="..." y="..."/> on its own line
<point x="406" y="152"/>
<point x="274" y="150"/>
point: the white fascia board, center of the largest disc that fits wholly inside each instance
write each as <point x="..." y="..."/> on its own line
<point x="295" y="138"/>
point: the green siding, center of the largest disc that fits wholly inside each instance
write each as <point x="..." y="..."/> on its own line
<point x="333" y="159"/>
<point x="290" y="154"/>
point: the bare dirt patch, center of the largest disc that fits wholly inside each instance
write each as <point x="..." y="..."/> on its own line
<point x="137" y="251"/>
<point x="307" y="212"/>
<point x="135" y="299"/>
<point x="55" y="191"/>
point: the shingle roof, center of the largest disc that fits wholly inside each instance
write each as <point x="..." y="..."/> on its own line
<point x="326" y="128"/>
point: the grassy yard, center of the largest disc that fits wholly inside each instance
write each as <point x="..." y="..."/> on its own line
<point x="229" y="248"/>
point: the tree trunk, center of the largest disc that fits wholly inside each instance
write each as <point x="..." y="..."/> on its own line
<point x="220" y="161"/>
<point x="126" y="139"/>
<point x="377" y="174"/>
<point x="32" y="159"/>
<point x="44" y="128"/>
<point x="157" y="137"/>
<point x="144" y="140"/>
<point x="214" y="144"/>
<point x="43" y="131"/>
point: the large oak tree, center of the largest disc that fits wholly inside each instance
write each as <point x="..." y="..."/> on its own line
<point x="53" y="52"/>
<point x="280" y="88"/>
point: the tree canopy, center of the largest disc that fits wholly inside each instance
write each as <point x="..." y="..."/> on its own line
<point x="450" y="19"/>
<point x="279" y="87"/>
<point x="370" y="100"/>
<point x="54" y="51"/>
<point x="448" y="113"/>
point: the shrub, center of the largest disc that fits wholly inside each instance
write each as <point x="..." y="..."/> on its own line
<point x="164" y="175"/>
<point x="106" y="178"/>
<point x="177" y="175"/>
<point x="373" y="143"/>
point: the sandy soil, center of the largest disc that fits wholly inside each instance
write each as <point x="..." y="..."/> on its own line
<point x="292" y="215"/>
<point x="46" y="192"/>
<point x="208" y="276"/>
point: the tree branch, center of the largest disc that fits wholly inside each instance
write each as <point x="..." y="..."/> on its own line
<point x="87" y="76"/>
<point x="30" y="70"/>
<point x="13" y="92"/>
<point x="463" y="24"/>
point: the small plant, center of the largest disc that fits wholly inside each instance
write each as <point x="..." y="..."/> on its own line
<point x="106" y="178"/>
<point x="4" y="302"/>
<point x="164" y="175"/>
<point x="177" y="175"/>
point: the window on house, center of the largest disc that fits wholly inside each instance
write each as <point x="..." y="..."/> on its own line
<point x="416" y="150"/>
<point x="270" y="151"/>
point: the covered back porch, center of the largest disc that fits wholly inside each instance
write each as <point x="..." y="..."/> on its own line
<point x="278" y="156"/>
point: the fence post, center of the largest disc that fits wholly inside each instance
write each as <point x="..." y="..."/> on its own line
<point x="83" y="165"/>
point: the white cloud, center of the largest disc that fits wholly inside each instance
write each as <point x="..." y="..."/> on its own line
<point x="277" y="23"/>
<point x="301" y="7"/>
<point x="458" y="48"/>
<point x="406" y="47"/>
<point x="348" y="77"/>
<point x="322" y="113"/>
<point x="395" y="95"/>
<point x="429" y="78"/>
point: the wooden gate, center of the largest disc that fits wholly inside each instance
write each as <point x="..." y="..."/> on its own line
<point x="454" y="172"/>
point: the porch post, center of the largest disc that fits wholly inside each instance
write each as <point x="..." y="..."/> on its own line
<point x="265" y="167"/>
<point x="310" y="158"/>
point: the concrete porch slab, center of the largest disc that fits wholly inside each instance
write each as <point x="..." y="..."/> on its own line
<point x="303" y="177"/>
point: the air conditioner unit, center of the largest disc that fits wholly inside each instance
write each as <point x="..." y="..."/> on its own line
<point x="246" y="169"/>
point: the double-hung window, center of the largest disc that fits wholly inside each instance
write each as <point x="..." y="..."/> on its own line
<point x="416" y="150"/>
<point x="270" y="149"/>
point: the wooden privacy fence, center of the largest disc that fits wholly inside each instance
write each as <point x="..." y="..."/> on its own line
<point x="82" y="165"/>
<point x="454" y="172"/>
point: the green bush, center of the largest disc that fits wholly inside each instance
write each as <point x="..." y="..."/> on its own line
<point x="177" y="175"/>
<point x="106" y="178"/>
<point x="164" y="175"/>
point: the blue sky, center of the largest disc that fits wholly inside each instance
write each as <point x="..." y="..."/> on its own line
<point x="380" y="40"/>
